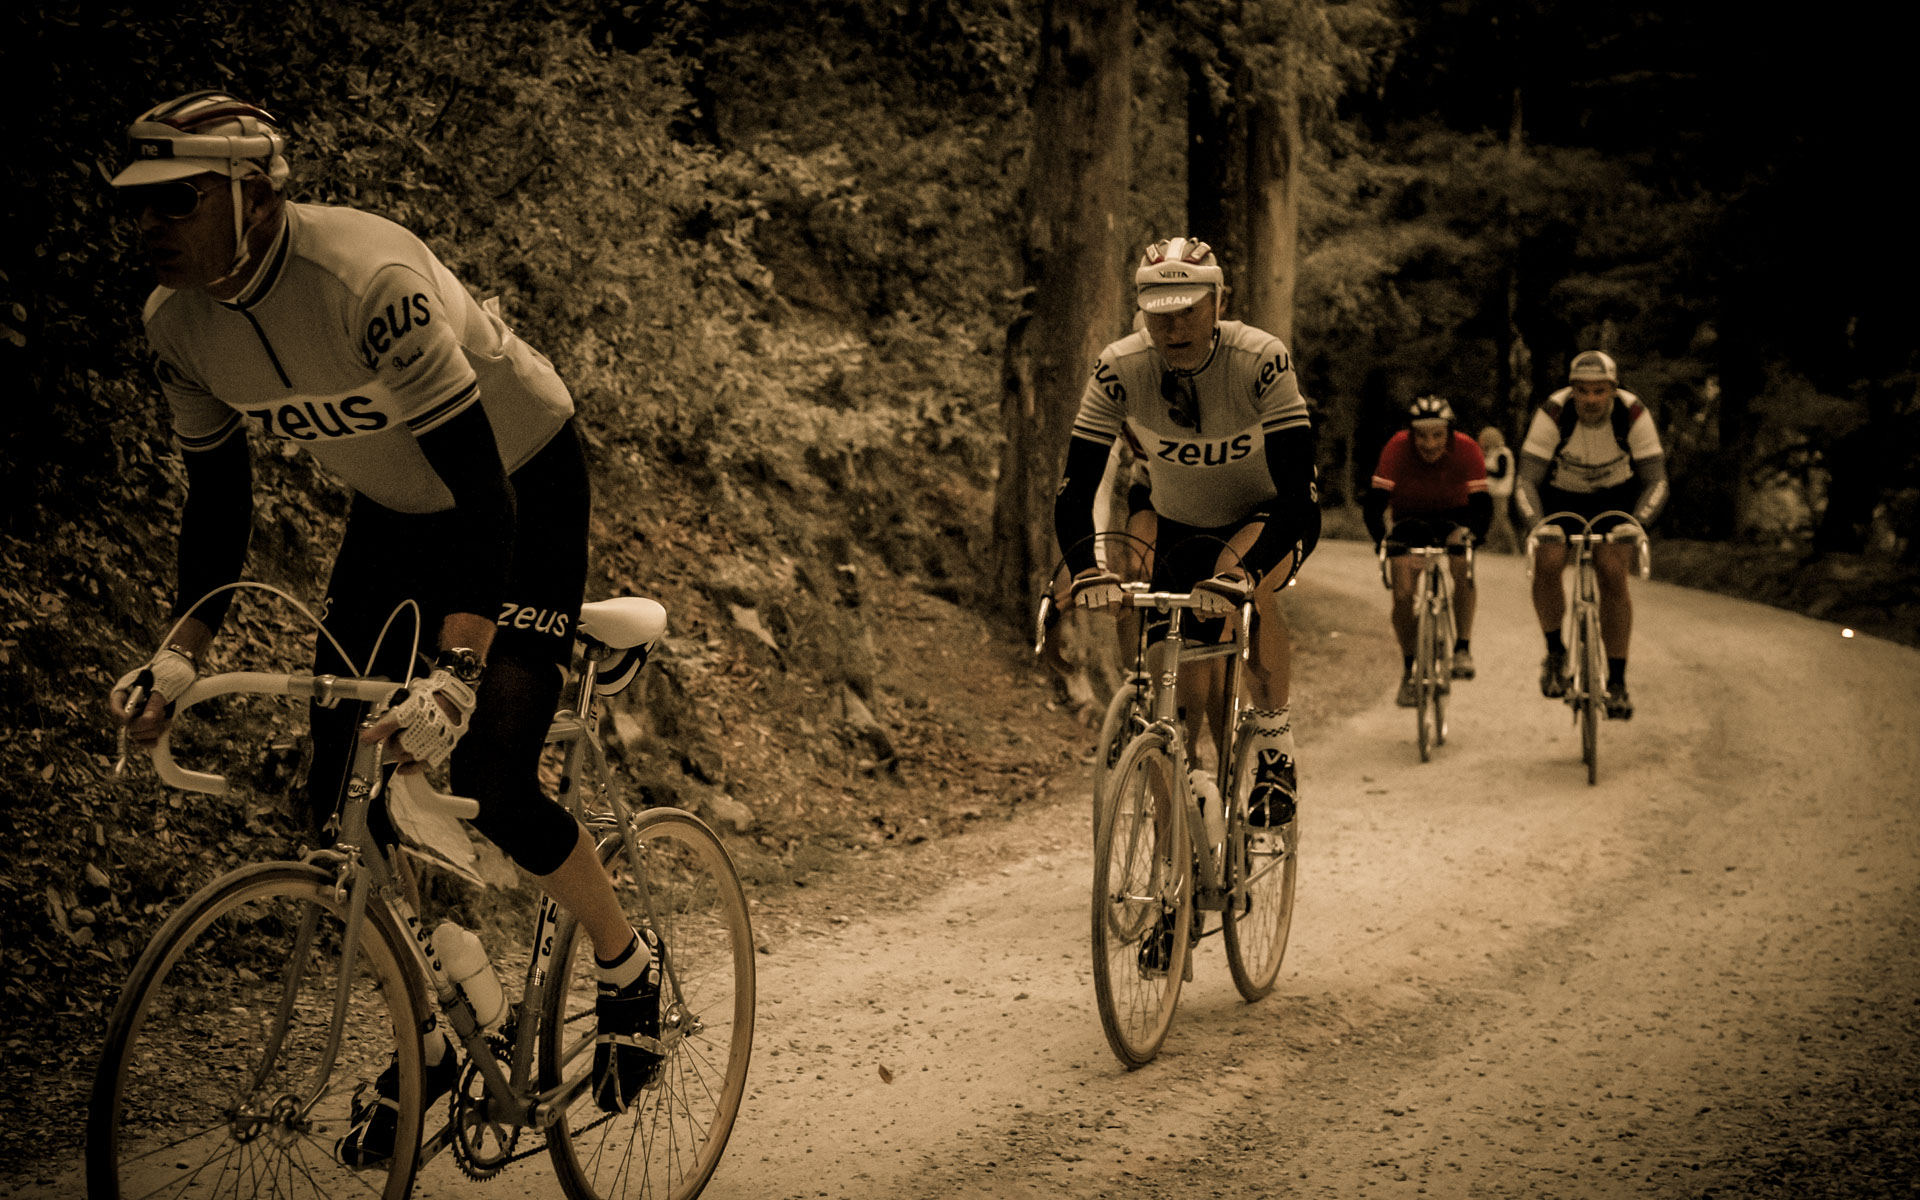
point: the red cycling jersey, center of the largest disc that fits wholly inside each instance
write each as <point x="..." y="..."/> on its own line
<point x="1420" y="488"/>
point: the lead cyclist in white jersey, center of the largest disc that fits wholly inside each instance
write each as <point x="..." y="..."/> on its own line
<point x="1591" y="448"/>
<point x="1216" y="412"/>
<point x="341" y="332"/>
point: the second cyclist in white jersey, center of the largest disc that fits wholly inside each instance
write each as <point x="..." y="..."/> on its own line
<point x="1215" y="409"/>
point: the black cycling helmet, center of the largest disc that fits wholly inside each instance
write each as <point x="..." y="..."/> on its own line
<point x="1431" y="408"/>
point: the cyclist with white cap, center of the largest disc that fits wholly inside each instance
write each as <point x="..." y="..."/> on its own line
<point x="1215" y="409"/>
<point x="1591" y="448"/>
<point x="341" y="332"/>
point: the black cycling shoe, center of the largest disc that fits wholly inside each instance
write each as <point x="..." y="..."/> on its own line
<point x="1271" y="802"/>
<point x="1553" y="675"/>
<point x="374" y="1119"/>
<point x="626" y="1047"/>
<point x="1619" y="704"/>
<point x="1156" y="951"/>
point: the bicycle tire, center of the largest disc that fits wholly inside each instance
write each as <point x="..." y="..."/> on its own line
<point x="1590" y="708"/>
<point x="1442" y="659"/>
<point x="1262" y="866"/>
<point x="1137" y="881"/>
<point x="1124" y="719"/>
<point x="180" y="1107"/>
<point x="1426" y="688"/>
<point x="669" y="1142"/>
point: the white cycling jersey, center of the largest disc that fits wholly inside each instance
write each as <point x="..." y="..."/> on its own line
<point x="352" y="339"/>
<point x="1593" y="458"/>
<point x="1214" y="472"/>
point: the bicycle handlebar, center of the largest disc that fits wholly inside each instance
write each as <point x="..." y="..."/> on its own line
<point x="1136" y="595"/>
<point x="1386" y="572"/>
<point x="1628" y="532"/>
<point x="328" y="690"/>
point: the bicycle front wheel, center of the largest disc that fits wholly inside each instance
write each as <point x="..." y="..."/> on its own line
<point x="1126" y="716"/>
<point x="1262" y="864"/>
<point x="1142" y="901"/>
<point x="1426" y="685"/>
<point x="217" y="1078"/>
<point x="1443" y="635"/>
<point x="1593" y="655"/>
<point x="679" y="881"/>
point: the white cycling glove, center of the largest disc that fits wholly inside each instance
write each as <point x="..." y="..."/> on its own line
<point x="167" y="675"/>
<point x="1096" y="589"/>
<point x="426" y="731"/>
<point x="1221" y="596"/>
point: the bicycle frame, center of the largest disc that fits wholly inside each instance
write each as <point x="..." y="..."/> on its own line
<point x="363" y="870"/>
<point x="1163" y="717"/>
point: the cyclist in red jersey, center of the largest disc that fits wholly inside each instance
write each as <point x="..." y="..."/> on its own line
<point x="341" y="332"/>
<point x="1434" y="481"/>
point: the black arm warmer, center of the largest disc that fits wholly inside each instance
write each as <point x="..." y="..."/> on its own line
<point x="1073" y="503"/>
<point x="1290" y="460"/>
<point x="1532" y="472"/>
<point x="1373" y="510"/>
<point x="463" y="453"/>
<point x="1479" y="515"/>
<point x="214" y="527"/>
<point x="1652" y="474"/>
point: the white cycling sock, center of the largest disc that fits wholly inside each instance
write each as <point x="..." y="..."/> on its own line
<point x="1272" y="729"/>
<point x="434" y="1046"/>
<point x="626" y="965"/>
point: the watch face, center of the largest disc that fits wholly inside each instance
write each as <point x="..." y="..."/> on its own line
<point x="461" y="663"/>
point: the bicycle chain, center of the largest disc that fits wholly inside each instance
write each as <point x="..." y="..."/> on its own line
<point x="502" y="1047"/>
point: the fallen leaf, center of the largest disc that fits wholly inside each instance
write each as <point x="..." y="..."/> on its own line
<point x="886" y="1076"/>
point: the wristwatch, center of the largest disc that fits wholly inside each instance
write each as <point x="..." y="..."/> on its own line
<point x="461" y="663"/>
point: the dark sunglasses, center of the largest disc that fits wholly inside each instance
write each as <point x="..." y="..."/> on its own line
<point x="176" y="199"/>
<point x="1183" y="402"/>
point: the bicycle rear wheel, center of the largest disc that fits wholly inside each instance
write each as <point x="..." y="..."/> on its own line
<point x="1126" y="717"/>
<point x="1262" y="864"/>
<point x="679" y="881"/>
<point x="1142" y="901"/>
<point x="215" y="1079"/>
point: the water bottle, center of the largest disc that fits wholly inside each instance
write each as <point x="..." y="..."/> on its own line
<point x="466" y="960"/>
<point x="1210" y="807"/>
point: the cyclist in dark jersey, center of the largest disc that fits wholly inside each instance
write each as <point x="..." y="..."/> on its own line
<point x="1216" y="412"/>
<point x="1434" y="481"/>
<point x="339" y="331"/>
<point x="1590" y="448"/>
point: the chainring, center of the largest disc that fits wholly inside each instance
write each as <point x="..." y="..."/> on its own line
<point x="477" y="1145"/>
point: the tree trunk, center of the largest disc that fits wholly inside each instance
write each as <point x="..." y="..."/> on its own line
<point x="1209" y="165"/>
<point x="1077" y="176"/>
<point x="1272" y="204"/>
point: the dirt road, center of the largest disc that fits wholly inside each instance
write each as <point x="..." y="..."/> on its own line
<point x="1697" y="978"/>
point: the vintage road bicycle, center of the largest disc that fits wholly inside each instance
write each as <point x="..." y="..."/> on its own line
<point x="272" y="998"/>
<point x="1580" y="631"/>
<point x="1435" y="631"/>
<point x="1161" y="861"/>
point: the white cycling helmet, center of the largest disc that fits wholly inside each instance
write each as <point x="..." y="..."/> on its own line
<point x="208" y="132"/>
<point x="203" y="132"/>
<point x="1177" y="274"/>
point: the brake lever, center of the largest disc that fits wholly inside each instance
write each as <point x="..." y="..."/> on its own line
<point x="136" y="701"/>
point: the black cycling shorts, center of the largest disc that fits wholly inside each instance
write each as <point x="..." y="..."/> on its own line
<point x="388" y="556"/>
<point x="1184" y="554"/>
<point x="1590" y="504"/>
<point x="1425" y="529"/>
